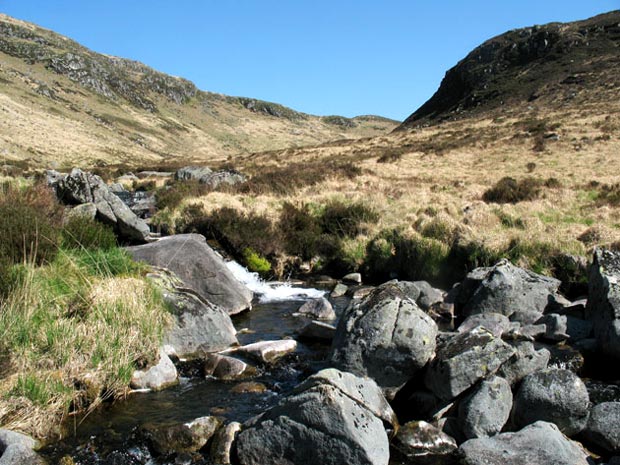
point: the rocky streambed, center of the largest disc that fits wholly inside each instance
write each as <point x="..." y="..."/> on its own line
<point x="500" y="369"/>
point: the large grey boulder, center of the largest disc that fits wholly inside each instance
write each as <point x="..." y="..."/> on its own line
<point x="505" y="288"/>
<point x="603" y="308"/>
<point x="81" y="187"/>
<point x="538" y="444"/>
<point x="17" y="449"/>
<point x="199" y="326"/>
<point x="464" y="360"/>
<point x="334" y="418"/>
<point x="486" y="410"/>
<point x="553" y="395"/>
<point x="199" y="267"/>
<point x="525" y="360"/>
<point x="603" y="428"/>
<point x="386" y="337"/>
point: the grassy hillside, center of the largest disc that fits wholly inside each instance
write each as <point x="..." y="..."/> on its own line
<point x="64" y="105"/>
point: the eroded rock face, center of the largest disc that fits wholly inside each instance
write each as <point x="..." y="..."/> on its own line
<point x="80" y="187"/>
<point x="464" y="360"/>
<point x="553" y="395"/>
<point x="538" y="444"/>
<point x="603" y="308"/>
<point x="519" y="294"/>
<point x="199" y="267"/>
<point x="322" y="421"/>
<point x="386" y="337"/>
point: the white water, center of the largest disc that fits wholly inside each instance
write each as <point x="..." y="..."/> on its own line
<point x="271" y="292"/>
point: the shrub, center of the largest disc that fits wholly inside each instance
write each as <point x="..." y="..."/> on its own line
<point x="29" y="224"/>
<point x="301" y="230"/>
<point x="509" y="190"/>
<point x="255" y="262"/>
<point x="347" y="220"/>
<point x="85" y="233"/>
<point x="171" y="195"/>
<point x="609" y="194"/>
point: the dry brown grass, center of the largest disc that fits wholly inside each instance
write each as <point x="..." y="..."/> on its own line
<point x="442" y="172"/>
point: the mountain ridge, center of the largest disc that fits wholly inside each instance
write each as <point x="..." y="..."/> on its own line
<point x="95" y="95"/>
<point x="546" y="65"/>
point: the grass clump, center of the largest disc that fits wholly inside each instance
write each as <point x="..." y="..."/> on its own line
<point x="80" y="232"/>
<point x="74" y="329"/>
<point x="509" y="190"/>
<point x="255" y="262"/>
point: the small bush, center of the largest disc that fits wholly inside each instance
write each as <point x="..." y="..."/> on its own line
<point x="509" y="190"/>
<point x="438" y="229"/>
<point x="171" y="195"/>
<point x="301" y="230"/>
<point x="85" y="233"/>
<point x="609" y="194"/>
<point x="254" y="262"/>
<point x="347" y="220"/>
<point x="29" y="225"/>
<point x="508" y="220"/>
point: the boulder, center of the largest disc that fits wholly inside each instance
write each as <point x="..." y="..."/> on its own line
<point x="352" y="278"/>
<point x="519" y="294"/>
<point x="319" y="309"/>
<point x="486" y="410"/>
<point x="267" y="351"/>
<point x="552" y="395"/>
<point x="464" y="360"/>
<point x="386" y="337"/>
<point x="157" y="377"/>
<point x="223" y="177"/>
<point x="186" y="437"/>
<point x="496" y="323"/>
<point x="192" y="173"/>
<point x="603" y="308"/>
<point x="538" y="444"/>
<point x="421" y="292"/>
<point x="322" y="421"/>
<point x="339" y="290"/>
<point x="85" y="210"/>
<point x="318" y="331"/>
<point x="227" y="368"/>
<point x="603" y="428"/>
<point x="556" y="327"/>
<point x="525" y="360"/>
<point x="199" y="268"/>
<point x="18" y="449"/>
<point x="222" y="443"/>
<point x="80" y="187"/>
<point x="422" y="443"/>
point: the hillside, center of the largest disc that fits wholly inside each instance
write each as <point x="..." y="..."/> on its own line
<point x="65" y="105"/>
<point x="552" y="66"/>
<point x="435" y="189"/>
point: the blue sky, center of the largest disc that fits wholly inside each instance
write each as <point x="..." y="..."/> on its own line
<point x="347" y="57"/>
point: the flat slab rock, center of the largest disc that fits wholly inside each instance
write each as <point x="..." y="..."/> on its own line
<point x="266" y="351"/>
<point x="538" y="444"/>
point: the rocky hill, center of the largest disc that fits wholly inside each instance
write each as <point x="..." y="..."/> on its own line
<point x="551" y="66"/>
<point x="64" y="104"/>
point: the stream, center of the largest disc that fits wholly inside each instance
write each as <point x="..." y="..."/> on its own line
<point x="111" y="435"/>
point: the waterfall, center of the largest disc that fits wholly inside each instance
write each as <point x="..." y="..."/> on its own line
<point x="271" y="291"/>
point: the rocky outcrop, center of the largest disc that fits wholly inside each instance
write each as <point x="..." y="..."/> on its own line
<point x="465" y="359"/>
<point x="192" y="173"/>
<point x="552" y="395"/>
<point x="538" y="444"/>
<point x="519" y="294"/>
<point x="199" y="267"/>
<point x="205" y="175"/>
<point x="386" y="337"/>
<point x="80" y="187"/>
<point x="603" y="308"/>
<point x="332" y="419"/>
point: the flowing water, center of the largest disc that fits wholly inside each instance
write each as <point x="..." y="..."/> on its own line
<point x="111" y="435"/>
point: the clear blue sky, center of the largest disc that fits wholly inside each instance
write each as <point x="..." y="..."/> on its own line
<point x="347" y="57"/>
